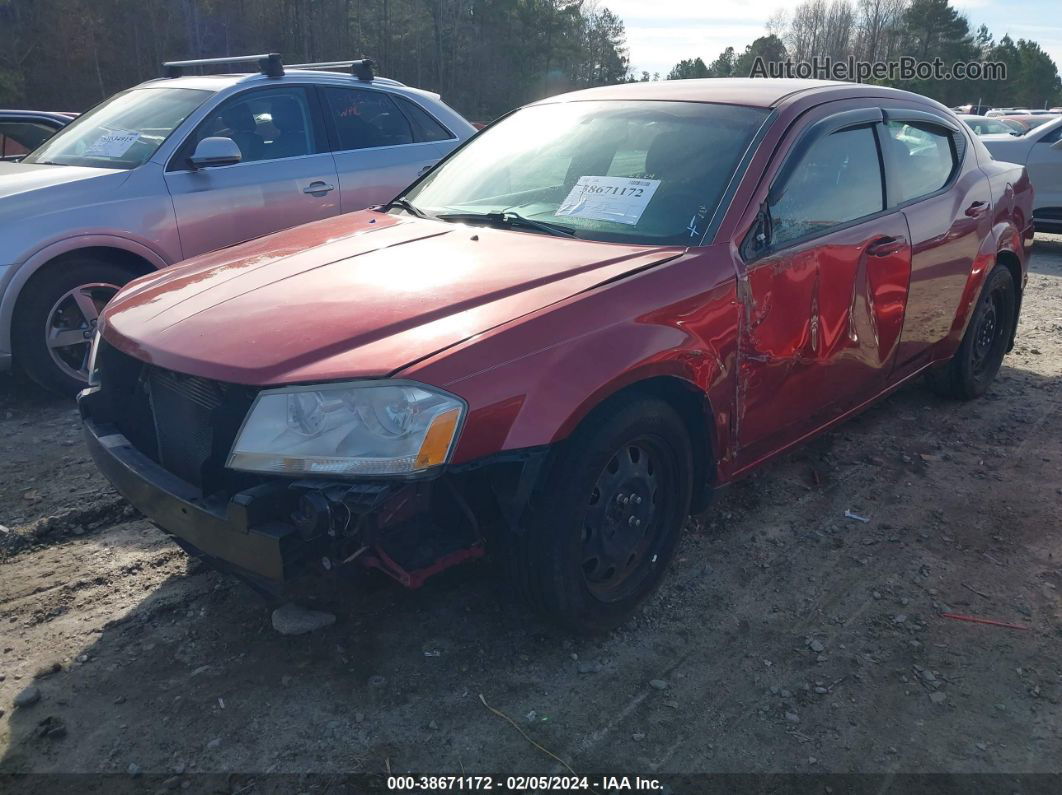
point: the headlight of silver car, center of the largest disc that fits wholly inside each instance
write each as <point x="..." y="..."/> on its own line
<point x="354" y="428"/>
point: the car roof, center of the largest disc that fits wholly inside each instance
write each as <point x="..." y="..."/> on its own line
<point x="748" y="91"/>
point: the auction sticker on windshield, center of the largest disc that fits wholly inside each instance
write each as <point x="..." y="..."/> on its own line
<point x="619" y="199"/>
<point x="112" y="144"/>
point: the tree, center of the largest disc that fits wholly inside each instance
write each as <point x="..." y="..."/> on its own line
<point x="769" y="48"/>
<point x="687" y="69"/>
<point x="723" y="66"/>
<point x="484" y="56"/>
<point x="933" y="29"/>
<point x="1036" y="84"/>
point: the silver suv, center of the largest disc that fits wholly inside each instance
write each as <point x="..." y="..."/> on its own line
<point x="183" y="165"/>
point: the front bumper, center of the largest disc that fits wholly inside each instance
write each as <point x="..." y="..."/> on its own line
<point x="274" y="532"/>
<point x="246" y="532"/>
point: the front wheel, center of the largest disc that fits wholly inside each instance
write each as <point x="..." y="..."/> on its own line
<point x="56" y="318"/>
<point x="973" y="367"/>
<point x="607" y="519"/>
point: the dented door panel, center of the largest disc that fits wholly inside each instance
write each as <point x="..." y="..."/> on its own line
<point x="821" y="330"/>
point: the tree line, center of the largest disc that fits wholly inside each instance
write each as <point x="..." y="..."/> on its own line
<point x="484" y="56"/>
<point x="886" y="30"/>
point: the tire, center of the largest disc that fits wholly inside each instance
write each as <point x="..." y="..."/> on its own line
<point x="969" y="373"/>
<point x="59" y="300"/>
<point x="582" y="521"/>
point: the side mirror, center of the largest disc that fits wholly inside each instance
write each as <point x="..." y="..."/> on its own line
<point x="215" y="151"/>
<point x="1057" y="144"/>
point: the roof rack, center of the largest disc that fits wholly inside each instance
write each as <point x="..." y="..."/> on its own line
<point x="269" y="64"/>
<point x="361" y="68"/>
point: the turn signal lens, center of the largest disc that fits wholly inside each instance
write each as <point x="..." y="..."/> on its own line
<point x="440" y="436"/>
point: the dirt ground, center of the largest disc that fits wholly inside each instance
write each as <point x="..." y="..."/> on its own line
<point x="787" y="637"/>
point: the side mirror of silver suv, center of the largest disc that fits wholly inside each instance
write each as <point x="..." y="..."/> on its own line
<point x="215" y="151"/>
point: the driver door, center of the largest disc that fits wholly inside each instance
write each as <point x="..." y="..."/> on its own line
<point x="826" y="297"/>
<point x="286" y="176"/>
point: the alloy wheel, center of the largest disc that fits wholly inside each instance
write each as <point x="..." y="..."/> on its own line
<point x="71" y="325"/>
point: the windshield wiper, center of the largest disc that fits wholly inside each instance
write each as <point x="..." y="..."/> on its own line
<point x="409" y="207"/>
<point x="510" y="220"/>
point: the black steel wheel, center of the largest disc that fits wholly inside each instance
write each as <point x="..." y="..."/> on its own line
<point x="623" y="517"/>
<point x="972" y="369"/>
<point x="606" y="516"/>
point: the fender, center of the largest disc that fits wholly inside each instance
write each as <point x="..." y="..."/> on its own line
<point x="24" y="270"/>
<point x="1005" y="237"/>
<point x="539" y="397"/>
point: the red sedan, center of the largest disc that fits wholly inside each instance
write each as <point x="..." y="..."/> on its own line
<point x="555" y="345"/>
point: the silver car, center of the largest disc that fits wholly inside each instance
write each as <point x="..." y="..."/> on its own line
<point x="183" y="165"/>
<point x="1040" y="151"/>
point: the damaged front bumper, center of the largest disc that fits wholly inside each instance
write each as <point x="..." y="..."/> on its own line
<point x="277" y="530"/>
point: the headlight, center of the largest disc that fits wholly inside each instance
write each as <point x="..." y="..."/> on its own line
<point x="359" y="428"/>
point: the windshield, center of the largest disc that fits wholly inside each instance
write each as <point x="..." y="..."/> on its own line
<point x="122" y="132"/>
<point x="640" y="172"/>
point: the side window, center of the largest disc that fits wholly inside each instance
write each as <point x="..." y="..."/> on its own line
<point x="1052" y="136"/>
<point x="922" y="157"/>
<point x="22" y="137"/>
<point x="270" y="124"/>
<point x="364" y="118"/>
<point x="425" y="127"/>
<point x="838" y="180"/>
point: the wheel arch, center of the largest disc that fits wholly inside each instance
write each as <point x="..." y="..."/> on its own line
<point x="1010" y="261"/>
<point x="136" y="257"/>
<point x="695" y="410"/>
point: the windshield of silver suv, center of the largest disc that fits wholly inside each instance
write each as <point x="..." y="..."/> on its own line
<point x="122" y="132"/>
<point x="643" y="172"/>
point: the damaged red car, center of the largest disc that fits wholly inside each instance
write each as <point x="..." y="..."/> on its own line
<point x="555" y="345"/>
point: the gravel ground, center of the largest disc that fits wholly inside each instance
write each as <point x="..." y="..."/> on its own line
<point x="787" y="638"/>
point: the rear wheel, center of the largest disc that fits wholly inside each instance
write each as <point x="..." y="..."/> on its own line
<point x="973" y="367"/>
<point x="56" y="317"/>
<point x="607" y="517"/>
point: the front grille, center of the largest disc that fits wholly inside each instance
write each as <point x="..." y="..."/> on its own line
<point x="182" y="408"/>
<point x="184" y="423"/>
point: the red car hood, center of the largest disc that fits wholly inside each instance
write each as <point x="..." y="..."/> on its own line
<point x="361" y="295"/>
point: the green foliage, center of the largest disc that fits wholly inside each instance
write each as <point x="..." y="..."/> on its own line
<point x="687" y="69"/>
<point x="886" y="30"/>
<point x="770" y="48"/>
<point x="484" y="56"/>
<point x="723" y="66"/>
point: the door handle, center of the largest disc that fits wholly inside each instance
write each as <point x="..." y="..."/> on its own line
<point x="318" y="188"/>
<point x="884" y="246"/>
<point x="977" y="209"/>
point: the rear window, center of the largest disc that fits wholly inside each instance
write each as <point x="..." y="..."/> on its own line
<point x="365" y="119"/>
<point x="425" y="127"/>
<point x="922" y="156"/>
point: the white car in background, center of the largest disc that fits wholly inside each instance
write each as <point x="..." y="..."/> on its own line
<point x="183" y="165"/>
<point x="1040" y="151"/>
<point x="985" y="125"/>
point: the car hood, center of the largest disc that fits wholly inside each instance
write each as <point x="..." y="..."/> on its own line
<point x="1008" y="148"/>
<point x="365" y="294"/>
<point x="20" y="178"/>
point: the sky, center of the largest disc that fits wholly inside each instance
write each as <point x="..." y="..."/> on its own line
<point x="662" y="32"/>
